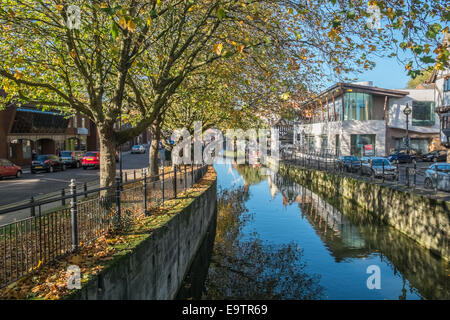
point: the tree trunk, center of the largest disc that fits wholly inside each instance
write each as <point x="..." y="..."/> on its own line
<point x="154" y="164"/>
<point x="107" y="156"/>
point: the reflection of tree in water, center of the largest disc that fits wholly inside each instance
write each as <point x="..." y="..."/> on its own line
<point x="251" y="175"/>
<point x="250" y="268"/>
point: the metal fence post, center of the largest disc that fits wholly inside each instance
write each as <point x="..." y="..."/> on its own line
<point x="185" y="178"/>
<point x="415" y="171"/>
<point x="174" y="181"/>
<point x="118" y="209"/>
<point x="74" y="214"/>
<point x="144" y="190"/>
<point x="383" y="170"/>
<point x="436" y="176"/>
<point x="398" y="172"/>
<point x="63" y="195"/>
<point x="33" y="209"/>
<point x="407" y="176"/>
<point x="162" y="186"/>
<point x="318" y="161"/>
<point x="192" y="174"/>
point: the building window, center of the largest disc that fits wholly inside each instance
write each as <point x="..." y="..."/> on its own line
<point x="83" y="122"/>
<point x="423" y="113"/>
<point x="447" y="84"/>
<point x="75" y="121"/>
<point x="358" y="106"/>
<point x="362" y="145"/>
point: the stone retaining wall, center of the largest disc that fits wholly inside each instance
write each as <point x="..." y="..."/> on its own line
<point x="155" y="269"/>
<point x="423" y="219"/>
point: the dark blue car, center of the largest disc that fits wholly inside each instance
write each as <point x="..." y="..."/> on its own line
<point x="401" y="157"/>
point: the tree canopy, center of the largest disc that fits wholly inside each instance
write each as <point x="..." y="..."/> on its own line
<point x="133" y="60"/>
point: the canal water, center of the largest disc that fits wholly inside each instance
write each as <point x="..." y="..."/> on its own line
<point x="275" y="239"/>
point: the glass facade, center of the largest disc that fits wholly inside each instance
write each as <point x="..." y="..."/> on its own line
<point x="33" y="121"/>
<point x="358" y="106"/>
<point x="362" y="145"/>
<point x="423" y="113"/>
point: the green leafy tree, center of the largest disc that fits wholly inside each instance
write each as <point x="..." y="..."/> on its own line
<point x="126" y="59"/>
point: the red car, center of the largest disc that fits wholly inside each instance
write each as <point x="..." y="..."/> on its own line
<point x="9" y="169"/>
<point x="91" y="159"/>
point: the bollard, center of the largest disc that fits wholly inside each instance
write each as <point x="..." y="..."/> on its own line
<point x="118" y="208"/>
<point x="74" y="214"/>
<point x="398" y="172"/>
<point x="33" y="209"/>
<point x="134" y="175"/>
<point x="415" y="171"/>
<point x="192" y="174"/>
<point x="383" y="170"/>
<point x="144" y="190"/>
<point x="63" y="195"/>
<point x="85" y="190"/>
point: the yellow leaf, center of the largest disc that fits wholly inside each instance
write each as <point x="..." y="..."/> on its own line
<point x="59" y="7"/>
<point x="218" y="48"/>
<point x="73" y="54"/>
<point x="103" y="5"/>
<point x="123" y="22"/>
<point x="131" y="26"/>
<point x="18" y="75"/>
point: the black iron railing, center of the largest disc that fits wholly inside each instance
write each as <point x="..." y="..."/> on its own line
<point x="408" y="176"/>
<point x="81" y="216"/>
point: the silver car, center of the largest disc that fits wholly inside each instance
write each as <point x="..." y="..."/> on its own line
<point x="138" y="149"/>
<point x="441" y="175"/>
<point x="376" y="166"/>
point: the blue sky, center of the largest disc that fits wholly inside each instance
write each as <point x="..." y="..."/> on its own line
<point x="388" y="73"/>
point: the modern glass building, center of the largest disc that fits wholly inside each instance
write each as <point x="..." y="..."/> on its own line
<point x="363" y="120"/>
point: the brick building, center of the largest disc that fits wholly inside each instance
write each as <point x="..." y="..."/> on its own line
<point x="27" y="128"/>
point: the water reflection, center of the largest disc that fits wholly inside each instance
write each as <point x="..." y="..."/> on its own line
<point x="276" y="239"/>
<point x="250" y="268"/>
<point x="349" y="236"/>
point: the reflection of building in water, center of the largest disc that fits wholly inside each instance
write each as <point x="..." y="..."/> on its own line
<point x="342" y="238"/>
<point x="345" y="239"/>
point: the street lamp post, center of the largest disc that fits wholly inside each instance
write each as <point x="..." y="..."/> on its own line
<point x="407" y="111"/>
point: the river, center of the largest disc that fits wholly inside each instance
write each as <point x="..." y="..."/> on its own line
<point x="275" y="239"/>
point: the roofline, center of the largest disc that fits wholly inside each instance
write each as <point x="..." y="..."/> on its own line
<point x="370" y="89"/>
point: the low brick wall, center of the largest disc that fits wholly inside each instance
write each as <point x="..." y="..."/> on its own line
<point x="423" y="219"/>
<point x="155" y="269"/>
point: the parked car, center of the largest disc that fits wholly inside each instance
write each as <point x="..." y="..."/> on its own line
<point x="402" y="157"/>
<point x="9" y="169"/>
<point x="72" y="158"/>
<point x="91" y="160"/>
<point x="139" y="148"/>
<point x="349" y="163"/>
<point x="47" y="162"/>
<point x="443" y="176"/>
<point x="373" y="166"/>
<point x="439" y="155"/>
